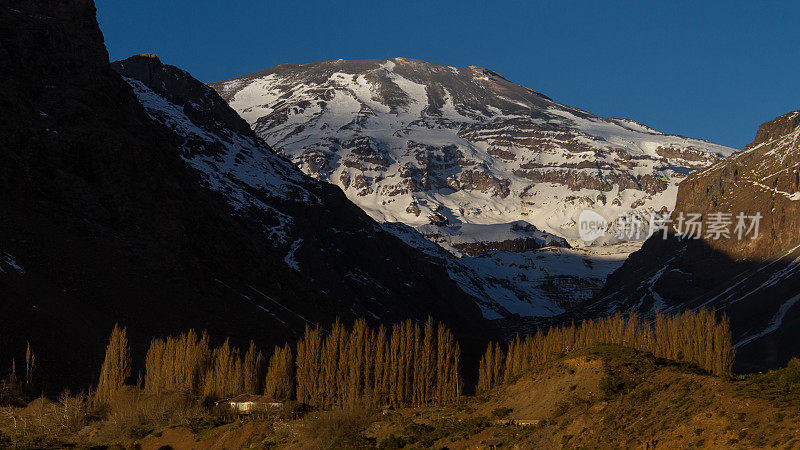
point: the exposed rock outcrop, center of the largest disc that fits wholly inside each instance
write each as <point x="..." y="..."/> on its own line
<point x="762" y="179"/>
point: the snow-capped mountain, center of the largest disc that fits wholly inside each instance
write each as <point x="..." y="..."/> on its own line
<point x="416" y="142"/>
<point x="477" y="164"/>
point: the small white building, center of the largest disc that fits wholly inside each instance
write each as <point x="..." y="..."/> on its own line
<point x="248" y="403"/>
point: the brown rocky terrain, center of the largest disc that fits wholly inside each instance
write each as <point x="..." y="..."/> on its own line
<point x="764" y="178"/>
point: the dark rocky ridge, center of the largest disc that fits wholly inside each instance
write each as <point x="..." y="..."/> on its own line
<point x="108" y="224"/>
<point x="179" y="87"/>
<point x="509" y="245"/>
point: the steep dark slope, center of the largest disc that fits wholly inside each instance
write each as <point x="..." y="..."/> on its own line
<point x="755" y="280"/>
<point x="322" y="234"/>
<point x="101" y="220"/>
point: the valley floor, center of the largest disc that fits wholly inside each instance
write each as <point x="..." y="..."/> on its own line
<point x="604" y="396"/>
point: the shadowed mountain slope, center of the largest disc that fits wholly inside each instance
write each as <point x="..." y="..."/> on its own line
<point x="102" y="220"/>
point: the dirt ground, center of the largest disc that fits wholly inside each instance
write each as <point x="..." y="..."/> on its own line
<point x="249" y="434"/>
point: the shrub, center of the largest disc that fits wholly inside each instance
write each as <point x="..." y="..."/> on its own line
<point x="499" y="413"/>
<point x="330" y="429"/>
<point x="472" y="425"/>
<point x="137" y="432"/>
<point x="418" y="429"/>
<point x="611" y="385"/>
<point x="198" y="424"/>
<point x="395" y="442"/>
<point x="292" y="410"/>
<point x="11" y="392"/>
<point x="131" y="407"/>
<point x="45" y="419"/>
<point x="561" y="409"/>
<point x="791" y="374"/>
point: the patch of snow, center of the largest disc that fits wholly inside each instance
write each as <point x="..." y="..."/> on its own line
<point x="11" y="264"/>
<point x="774" y="323"/>
<point x="290" y="259"/>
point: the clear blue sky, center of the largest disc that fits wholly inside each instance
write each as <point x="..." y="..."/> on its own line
<point x="712" y="70"/>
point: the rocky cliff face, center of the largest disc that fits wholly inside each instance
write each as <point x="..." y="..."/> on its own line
<point x="475" y="240"/>
<point x="418" y="142"/>
<point x="115" y="212"/>
<point x="517" y="287"/>
<point x="753" y="279"/>
<point x="763" y="179"/>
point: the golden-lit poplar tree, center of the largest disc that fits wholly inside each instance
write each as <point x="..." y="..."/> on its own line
<point x="116" y="369"/>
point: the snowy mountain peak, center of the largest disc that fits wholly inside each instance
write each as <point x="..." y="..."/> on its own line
<point x="413" y="141"/>
<point x="494" y="172"/>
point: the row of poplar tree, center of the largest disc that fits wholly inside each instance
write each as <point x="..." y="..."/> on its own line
<point x="408" y="364"/>
<point x="698" y="337"/>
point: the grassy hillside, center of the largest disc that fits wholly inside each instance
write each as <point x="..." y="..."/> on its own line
<point x="609" y="396"/>
<point x="603" y="396"/>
